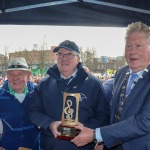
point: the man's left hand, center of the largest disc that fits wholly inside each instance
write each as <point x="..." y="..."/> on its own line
<point x="99" y="147"/>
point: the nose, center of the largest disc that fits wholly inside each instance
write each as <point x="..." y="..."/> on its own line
<point x="133" y="49"/>
<point x="15" y="77"/>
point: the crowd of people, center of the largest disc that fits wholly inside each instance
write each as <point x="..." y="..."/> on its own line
<point x="112" y="115"/>
<point x="36" y="78"/>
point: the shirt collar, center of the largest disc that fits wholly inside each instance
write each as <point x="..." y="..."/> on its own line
<point x="73" y="75"/>
<point x="138" y="73"/>
<point x="25" y="91"/>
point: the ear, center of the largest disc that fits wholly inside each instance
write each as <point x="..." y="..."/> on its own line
<point x="28" y="75"/>
<point x="78" y="58"/>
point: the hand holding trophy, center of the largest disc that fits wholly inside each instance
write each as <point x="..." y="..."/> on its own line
<point x="69" y="116"/>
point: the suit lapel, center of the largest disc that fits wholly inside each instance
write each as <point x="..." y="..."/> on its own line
<point x="140" y="85"/>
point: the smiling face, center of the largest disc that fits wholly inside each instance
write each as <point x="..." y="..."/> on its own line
<point x="17" y="79"/>
<point x="137" y="51"/>
<point x="67" y="66"/>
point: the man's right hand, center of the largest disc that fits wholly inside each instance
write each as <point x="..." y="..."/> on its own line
<point x="54" y="128"/>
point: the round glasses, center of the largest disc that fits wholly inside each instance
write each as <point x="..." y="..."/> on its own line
<point x="68" y="55"/>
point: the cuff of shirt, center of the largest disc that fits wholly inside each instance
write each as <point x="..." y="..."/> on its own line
<point x="98" y="135"/>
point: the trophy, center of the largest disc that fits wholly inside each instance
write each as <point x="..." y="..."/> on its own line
<point x="69" y="116"/>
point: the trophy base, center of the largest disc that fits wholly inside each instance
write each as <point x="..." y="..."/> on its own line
<point x="67" y="132"/>
<point x="23" y="148"/>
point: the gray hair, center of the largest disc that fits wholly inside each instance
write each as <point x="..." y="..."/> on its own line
<point x="138" y="27"/>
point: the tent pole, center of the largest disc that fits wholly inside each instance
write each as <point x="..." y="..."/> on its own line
<point x="118" y="6"/>
<point x="38" y="5"/>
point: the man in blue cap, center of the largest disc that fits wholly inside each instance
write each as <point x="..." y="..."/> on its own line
<point x="47" y="99"/>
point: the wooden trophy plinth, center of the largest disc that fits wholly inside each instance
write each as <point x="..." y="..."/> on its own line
<point x="67" y="133"/>
<point x="23" y="148"/>
<point x="69" y="116"/>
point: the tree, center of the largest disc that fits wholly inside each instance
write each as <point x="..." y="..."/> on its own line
<point x="90" y="59"/>
<point x="82" y="56"/>
<point x="120" y="61"/>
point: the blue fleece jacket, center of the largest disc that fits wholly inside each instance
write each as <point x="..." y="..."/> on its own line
<point x="17" y="129"/>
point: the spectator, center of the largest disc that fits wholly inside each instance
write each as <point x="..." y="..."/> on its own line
<point x="15" y="128"/>
<point x="86" y="69"/>
<point x="1" y="81"/>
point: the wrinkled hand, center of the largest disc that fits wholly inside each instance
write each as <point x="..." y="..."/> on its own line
<point x="98" y="147"/>
<point x="79" y="125"/>
<point x="54" y="128"/>
<point x="1" y="148"/>
<point x="85" y="136"/>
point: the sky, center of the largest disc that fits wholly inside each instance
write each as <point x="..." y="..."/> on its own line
<point x="105" y="40"/>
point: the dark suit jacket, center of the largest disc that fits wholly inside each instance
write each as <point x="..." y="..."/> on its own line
<point x="133" y="130"/>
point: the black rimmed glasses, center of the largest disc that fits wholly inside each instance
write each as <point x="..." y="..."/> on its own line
<point x="68" y="55"/>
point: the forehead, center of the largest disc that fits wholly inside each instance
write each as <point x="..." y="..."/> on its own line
<point x="137" y="35"/>
<point x="16" y="72"/>
<point x="63" y="50"/>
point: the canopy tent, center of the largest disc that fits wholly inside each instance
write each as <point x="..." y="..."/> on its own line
<point x="74" y="12"/>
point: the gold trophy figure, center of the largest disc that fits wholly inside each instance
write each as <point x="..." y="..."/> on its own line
<point x="69" y="116"/>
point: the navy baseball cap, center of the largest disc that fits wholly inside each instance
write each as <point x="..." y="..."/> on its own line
<point x="69" y="45"/>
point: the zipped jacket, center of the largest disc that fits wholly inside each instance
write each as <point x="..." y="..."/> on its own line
<point x="16" y="128"/>
<point x="47" y="104"/>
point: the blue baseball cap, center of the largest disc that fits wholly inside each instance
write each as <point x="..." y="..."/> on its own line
<point x="69" y="45"/>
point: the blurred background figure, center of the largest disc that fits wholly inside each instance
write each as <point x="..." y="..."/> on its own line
<point x="1" y="81"/>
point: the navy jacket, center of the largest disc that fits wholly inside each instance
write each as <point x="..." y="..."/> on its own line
<point x="47" y="104"/>
<point x="132" y="132"/>
<point x="17" y="128"/>
<point x="108" y="87"/>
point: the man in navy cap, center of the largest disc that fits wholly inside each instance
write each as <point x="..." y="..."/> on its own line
<point x="47" y="99"/>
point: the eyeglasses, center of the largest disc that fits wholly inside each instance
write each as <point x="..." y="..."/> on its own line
<point x="68" y="55"/>
<point x="19" y="75"/>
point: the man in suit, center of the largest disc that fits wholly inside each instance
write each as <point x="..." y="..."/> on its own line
<point x="130" y="109"/>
